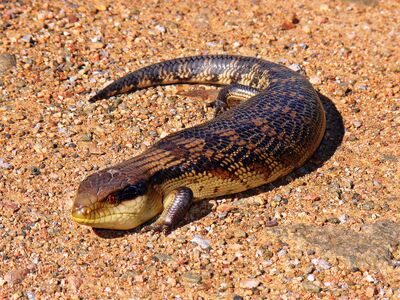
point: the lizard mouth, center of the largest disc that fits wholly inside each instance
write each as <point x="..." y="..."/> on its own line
<point x="122" y="216"/>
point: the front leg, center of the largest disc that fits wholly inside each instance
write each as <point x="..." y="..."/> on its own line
<point x="176" y="204"/>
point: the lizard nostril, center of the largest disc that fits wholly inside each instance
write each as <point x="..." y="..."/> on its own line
<point x="81" y="212"/>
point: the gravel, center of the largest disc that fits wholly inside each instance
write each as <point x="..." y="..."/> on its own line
<point x="55" y="54"/>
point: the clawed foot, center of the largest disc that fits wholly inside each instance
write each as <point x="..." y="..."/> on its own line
<point x="220" y="107"/>
<point x="176" y="204"/>
<point x="158" y="227"/>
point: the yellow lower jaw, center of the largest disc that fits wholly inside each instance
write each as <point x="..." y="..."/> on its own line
<point x="112" y="221"/>
<point x="126" y="215"/>
<point x="117" y="220"/>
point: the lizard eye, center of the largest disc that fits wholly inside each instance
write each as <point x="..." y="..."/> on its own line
<point x="112" y="199"/>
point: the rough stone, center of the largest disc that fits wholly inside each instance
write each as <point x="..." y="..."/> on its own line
<point x="368" y="248"/>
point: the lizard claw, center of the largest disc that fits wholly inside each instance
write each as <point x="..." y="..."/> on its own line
<point x="160" y="227"/>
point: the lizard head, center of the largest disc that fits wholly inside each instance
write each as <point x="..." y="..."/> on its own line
<point x="113" y="200"/>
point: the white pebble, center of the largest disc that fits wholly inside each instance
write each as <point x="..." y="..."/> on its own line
<point x="315" y="80"/>
<point x="311" y="277"/>
<point x="321" y="263"/>
<point x="369" y="278"/>
<point x="161" y="28"/>
<point x="342" y="219"/>
<point x="295" y="67"/>
<point x="204" y="244"/>
<point x="250" y="284"/>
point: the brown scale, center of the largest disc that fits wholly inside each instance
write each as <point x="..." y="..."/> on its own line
<point x="269" y="121"/>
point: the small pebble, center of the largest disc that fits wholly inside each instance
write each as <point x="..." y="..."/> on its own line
<point x="311" y="287"/>
<point x="342" y="88"/>
<point x="16" y="275"/>
<point x="271" y="223"/>
<point x="370" y="292"/>
<point x="306" y="29"/>
<point x="139" y="278"/>
<point x="5" y="165"/>
<point x="87" y="137"/>
<point x="369" y="278"/>
<point x="356" y="198"/>
<point x="277" y="198"/>
<point x="312" y="197"/>
<point x="204" y="244"/>
<point x="30" y="295"/>
<point x="249" y="284"/>
<point x="396" y="263"/>
<point x="322" y="20"/>
<point x="7" y="62"/>
<point x="101" y="6"/>
<point x="162" y="257"/>
<point x="303" y="46"/>
<point x="282" y="252"/>
<point x="362" y="87"/>
<point x="343" y="219"/>
<point x="161" y="28"/>
<point x="35" y="171"/>
<point x="295" y="67"/>
<point x="321" y="263"/>
<point x="357" y="124"/>
<point x="240" y="234"/>
<point x="96" y="45"/>
<point x="333" y="220"/>
<point x="388" y="157"/>
<point x="191" y="278"/>
<point x="316" y="80"/>
<point x="222" y="215"/>
<point x="27" y="38"/>
<point x="352" y="137"/>
<point x="310" y="277"/>
<point x="171" y="281"/>
<point x="370" y="205"/>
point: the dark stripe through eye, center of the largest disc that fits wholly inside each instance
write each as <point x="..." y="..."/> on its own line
<point x="129" y="192"/>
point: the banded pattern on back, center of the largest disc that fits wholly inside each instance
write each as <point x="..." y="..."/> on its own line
<point x="254" y="143"/>
<point x="276" y="128"/>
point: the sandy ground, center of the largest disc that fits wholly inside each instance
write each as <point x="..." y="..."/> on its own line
<point x="330" y="230"/>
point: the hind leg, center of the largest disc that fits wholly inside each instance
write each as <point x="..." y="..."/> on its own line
<point x="231" y="95"/>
